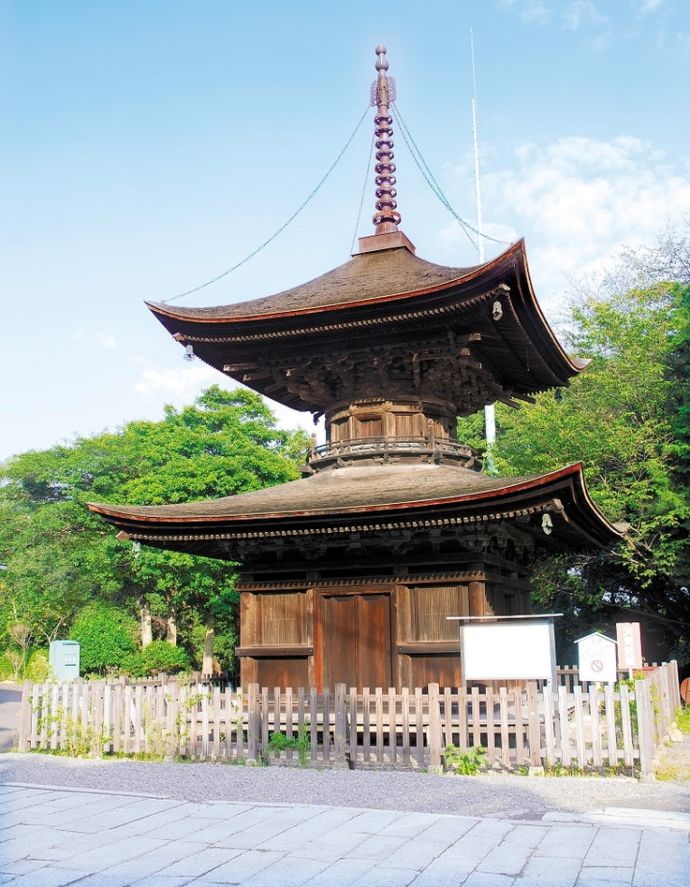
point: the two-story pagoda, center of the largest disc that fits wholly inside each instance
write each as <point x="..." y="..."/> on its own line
<point x="348" y="574"/>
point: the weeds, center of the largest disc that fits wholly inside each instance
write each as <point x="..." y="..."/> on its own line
<point x="464" y="763"/>
<point x="280" y="742"/>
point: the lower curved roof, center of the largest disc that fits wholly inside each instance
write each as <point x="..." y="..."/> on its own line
<point x="354" y="495"/>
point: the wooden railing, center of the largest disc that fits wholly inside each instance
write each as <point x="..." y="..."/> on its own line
<point x="602" y="727"/>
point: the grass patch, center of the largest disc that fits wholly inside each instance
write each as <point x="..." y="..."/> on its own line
<point x="683" y="719"/>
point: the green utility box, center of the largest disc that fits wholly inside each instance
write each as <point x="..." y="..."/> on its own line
<point x="64" y="660"/>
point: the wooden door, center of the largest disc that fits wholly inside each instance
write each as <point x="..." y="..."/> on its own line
<point x="356" y="640"/>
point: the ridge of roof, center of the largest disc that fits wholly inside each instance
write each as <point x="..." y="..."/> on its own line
<point x="367" y="278"/>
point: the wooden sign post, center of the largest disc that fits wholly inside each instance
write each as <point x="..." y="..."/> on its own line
<point x="597" y="658"/>
<point x="629" y="646"/>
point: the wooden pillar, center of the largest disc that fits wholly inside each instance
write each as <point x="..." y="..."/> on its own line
<point x="248" y="671"/>
<point x="477" y="590"/>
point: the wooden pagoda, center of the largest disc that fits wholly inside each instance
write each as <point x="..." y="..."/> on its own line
<point x="349" y="573"/>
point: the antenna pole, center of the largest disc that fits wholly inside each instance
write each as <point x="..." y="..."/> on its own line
<point x="489" y="412"/>
<point x="475" y="142"/>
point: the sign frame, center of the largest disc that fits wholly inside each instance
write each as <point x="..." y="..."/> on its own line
<point x="534" y="628"/>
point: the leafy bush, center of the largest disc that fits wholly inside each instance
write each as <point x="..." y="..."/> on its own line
<point x="106" y="635"/>
<point x="160" y="656"/>
<point x="37" y="668"/>
<point x="6" y="667"/>
<point x="464" y="763"/>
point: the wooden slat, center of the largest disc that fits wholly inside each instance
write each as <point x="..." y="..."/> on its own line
<point x="313" y="724"/>
<point x="593" y="699"/>
<point x="405" y="719"/>
<point x="54" y="727"/>
<point x="354" y="724"/>
<point x="475" y="719"/>
<point x="520" y="756"/>
<point x="419" y="726"/>
<point x="194" y="703"/>
<point x="216" y="720"/>
<point x="549" y="738"/>
<point x="253" y="723"/>
<point x="435" y="738"/>
<point x="326" y="725"/>
<point x="35" y="716"/>
<point x="275" y="725"/>
<point x="505" y="733"/>
<point x="378" y="714"/>
<point x="263" y="747"/>
<point x="289" y="720"/>
<point x="490" y="727"/>
<point x="366" y="725"/>
<point x="463" y="731"/>
<point x="340" y="731"/>
<point x="138" y="713"/>
<point x="230" y="744"/>
<point x="45" y="715"/>
<point x="579" y="728"/>
<point x="564" y="726"/>
<point x="644" y="727"/>
<point x="626" y="726"/>
<point x="533" y="729"/>
<point x="64" y="713"/>
<point x="392" y="725"/>
<point x="118" y="706"/>
<point x="611" y="725"/>
<point x="447" y="716"/>
<point x="126" y="719"/>
<point x="108" y="695"/>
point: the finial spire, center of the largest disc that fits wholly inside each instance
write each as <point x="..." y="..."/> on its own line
<point x="386" y="218"/>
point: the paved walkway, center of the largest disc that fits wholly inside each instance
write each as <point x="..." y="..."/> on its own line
<point x="10" y="700"/>
<point x="51" y="837"/>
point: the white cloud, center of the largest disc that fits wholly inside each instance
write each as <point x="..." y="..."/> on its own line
<point x="529" y="10"/>
<point x="649" y="6"/>
<point x="579" y="200"/>
<point x="581" y="12"/>
<point x="177" y="386"/>
<point x="106" y="340"/>
<point x="570" y="15"/>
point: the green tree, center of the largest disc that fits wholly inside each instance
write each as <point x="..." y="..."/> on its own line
<point x="60" y="556"/>
<point x="106" y="635"/>
<point x="625" y="418"/>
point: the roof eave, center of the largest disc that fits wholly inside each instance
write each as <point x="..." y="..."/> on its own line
<point x="121" y="517"/>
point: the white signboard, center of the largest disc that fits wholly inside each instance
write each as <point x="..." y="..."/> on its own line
<point x="629" y="645"/>
<point x="597" y="658"/>
<point x="513" y="651"/>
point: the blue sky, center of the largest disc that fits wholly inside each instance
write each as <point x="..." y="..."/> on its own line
<point x="148" y="146"/>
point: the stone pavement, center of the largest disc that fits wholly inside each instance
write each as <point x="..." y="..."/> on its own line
<point x="10" y="699"/>
<point x="51" y="837"/>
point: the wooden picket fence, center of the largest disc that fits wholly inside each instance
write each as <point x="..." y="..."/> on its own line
<point x="597" y="728"/>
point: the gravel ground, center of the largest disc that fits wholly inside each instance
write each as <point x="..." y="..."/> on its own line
<point x="512" y="797"/>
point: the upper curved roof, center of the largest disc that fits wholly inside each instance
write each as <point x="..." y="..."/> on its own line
<point x="374" y="276"/>
<point x="361" y="301"/>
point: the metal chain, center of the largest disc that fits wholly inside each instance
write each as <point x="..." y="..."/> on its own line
<point x="428" y="176"/>
<point x="282" y="227"/>
<point x="433" y="184"/>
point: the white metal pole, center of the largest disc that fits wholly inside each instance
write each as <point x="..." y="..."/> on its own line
<point x="489" y="411"/>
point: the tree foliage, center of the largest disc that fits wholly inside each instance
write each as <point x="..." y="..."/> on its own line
<point x="627" y="418"/>
<point x="106" y="636"/>
<point x="60" y="557"/>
